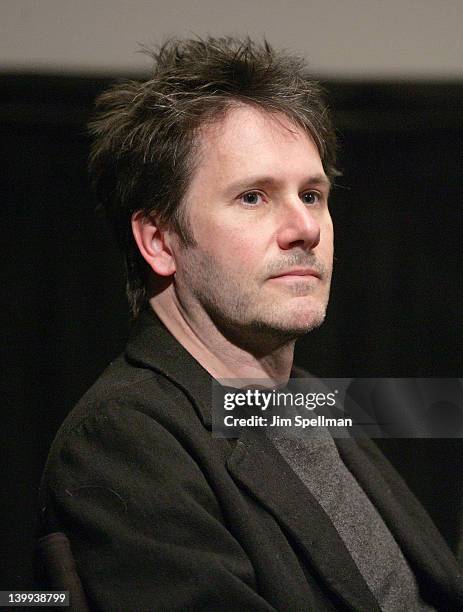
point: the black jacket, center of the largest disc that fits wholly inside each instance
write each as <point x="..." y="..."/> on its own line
<point x="163" y="516"/>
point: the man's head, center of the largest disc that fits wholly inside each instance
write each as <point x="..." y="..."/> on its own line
<point x="258" y="209"/>
<point x="155" y="151"/>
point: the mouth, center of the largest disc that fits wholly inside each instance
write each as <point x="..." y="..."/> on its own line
<point x="297" y="274"/>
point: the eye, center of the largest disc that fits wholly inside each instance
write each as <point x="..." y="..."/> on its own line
<point x="251" y="199"/>
<point x="311" y="197"/>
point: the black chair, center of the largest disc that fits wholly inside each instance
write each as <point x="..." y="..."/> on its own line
<point x="57" y="570"/>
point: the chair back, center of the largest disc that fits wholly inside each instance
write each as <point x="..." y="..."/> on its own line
<point x="58" y="567"/>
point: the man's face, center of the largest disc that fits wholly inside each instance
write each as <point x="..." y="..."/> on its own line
<point x="258" y="209"/>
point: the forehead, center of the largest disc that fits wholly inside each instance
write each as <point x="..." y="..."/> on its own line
<point x="250" y="141"/>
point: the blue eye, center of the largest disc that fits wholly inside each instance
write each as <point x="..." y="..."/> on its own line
<point x="252" y="198"/>
<point x="311" y="197"/>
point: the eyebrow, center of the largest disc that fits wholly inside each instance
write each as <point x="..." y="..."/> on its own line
<point x="254" y="181"/>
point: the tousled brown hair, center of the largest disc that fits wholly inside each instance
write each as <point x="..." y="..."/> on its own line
<point x="145" y="132"/>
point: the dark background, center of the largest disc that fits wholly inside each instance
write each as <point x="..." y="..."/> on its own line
<point x="396" y="299"/>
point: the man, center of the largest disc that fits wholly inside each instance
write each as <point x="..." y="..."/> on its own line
<point x="216" y="173"/>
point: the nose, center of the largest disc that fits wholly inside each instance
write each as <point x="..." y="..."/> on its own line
<point x="299" y="227"/>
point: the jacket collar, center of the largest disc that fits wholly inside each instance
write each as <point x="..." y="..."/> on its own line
<point x="152" y="345"/>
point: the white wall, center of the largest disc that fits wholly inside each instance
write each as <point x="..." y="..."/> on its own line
<point x="350" y="38"/>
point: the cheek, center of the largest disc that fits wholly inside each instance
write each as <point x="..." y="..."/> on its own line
<point x="327" y="237"/>
<point x="242" y="254"/>
<point x="232" y="248"/>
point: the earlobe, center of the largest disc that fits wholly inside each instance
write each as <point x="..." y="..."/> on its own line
<point x="153" y="244"/>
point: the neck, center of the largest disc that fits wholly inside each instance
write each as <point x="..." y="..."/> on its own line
<point x="223" y="357"/>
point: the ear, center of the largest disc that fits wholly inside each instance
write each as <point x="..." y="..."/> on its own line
<point x="153" y="244"/>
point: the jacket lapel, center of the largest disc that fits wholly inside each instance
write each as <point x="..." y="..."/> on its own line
<point x="257" y="465"/>
<point x="414" y="531"/>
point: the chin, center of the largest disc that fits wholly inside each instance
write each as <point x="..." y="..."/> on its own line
<point x="273" y="325"/>
<point x="294" y="325"/>
<point x="302" y="318"/>
<point x="307" y="324"/>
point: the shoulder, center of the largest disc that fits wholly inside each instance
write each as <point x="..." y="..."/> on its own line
<point x="120" y="457"/>
<point x="128" y="481"/>
<point x="130" y="428"/>
<point x="127" y="396"/>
